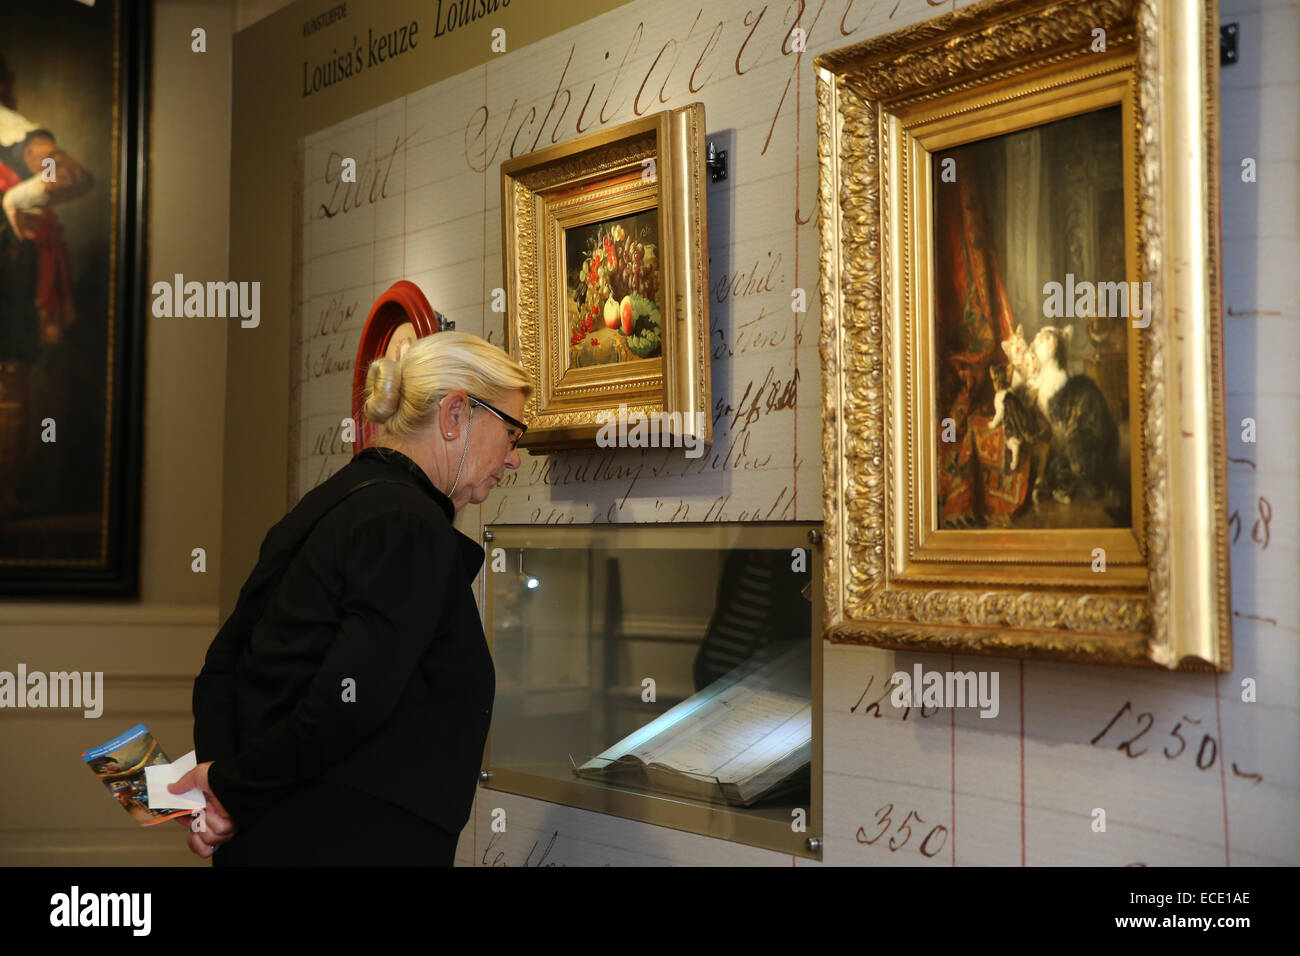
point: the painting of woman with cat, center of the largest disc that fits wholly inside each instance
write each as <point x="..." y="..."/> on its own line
<point x="1032" y="420"/>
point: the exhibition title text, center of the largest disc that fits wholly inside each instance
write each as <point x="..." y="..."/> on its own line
<point x="386" y="45"/>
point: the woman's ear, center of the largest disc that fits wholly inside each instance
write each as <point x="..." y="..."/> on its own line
<point x="453" y="412"/>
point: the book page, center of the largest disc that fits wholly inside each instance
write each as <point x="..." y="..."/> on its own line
<point x="753" y="734"/>
<point x="733" y="728"/>
<point x="667" y="726"/>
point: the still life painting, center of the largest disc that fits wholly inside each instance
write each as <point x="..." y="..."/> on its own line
<point x="613" y="291"/>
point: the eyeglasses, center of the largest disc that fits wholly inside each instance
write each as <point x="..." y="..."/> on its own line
<point x="509" y="421"/>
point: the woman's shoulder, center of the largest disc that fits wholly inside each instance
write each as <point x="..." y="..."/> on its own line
<point x="366" y="491"/>
<point x="391" y="498"/>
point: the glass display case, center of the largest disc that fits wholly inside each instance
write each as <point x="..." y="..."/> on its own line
<point x="668" y="673"/>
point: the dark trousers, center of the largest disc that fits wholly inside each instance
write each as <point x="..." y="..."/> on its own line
<point x="323" y="824"/>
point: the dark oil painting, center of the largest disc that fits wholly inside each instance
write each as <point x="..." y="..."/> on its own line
<point x="74" y="85"/>
<point x="1032" y="310"/>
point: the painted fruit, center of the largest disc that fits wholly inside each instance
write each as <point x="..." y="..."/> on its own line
<point x="611" y="313"/>
<point x="629" y="318"/>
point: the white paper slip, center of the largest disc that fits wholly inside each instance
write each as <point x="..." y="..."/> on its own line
<point x="160" y="775"/>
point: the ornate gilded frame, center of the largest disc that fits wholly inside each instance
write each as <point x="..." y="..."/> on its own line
<point x="996" y="67"/>
<point x="653" y="162"/>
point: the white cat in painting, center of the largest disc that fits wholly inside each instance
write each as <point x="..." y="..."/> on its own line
<point x="1023" y="361"/>
<point x="1049" y="350"/>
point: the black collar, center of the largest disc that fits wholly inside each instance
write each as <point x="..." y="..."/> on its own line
<point x="391" y="456"/>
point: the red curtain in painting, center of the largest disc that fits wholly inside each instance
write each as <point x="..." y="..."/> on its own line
<point x="972" y="318"/>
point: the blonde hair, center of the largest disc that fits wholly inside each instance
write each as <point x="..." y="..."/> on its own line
<point x="403" y="395"/>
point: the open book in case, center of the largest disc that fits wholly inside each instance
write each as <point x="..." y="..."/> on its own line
<point x="664" y="673"/>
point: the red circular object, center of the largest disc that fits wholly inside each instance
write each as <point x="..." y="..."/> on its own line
<point x="403" y="302"/>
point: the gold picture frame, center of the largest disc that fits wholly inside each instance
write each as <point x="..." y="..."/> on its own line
<point x="615" y="220"/>
<point x="933" y="547"/>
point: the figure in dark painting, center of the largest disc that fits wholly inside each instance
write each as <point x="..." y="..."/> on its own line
<point x="36" y="297"/>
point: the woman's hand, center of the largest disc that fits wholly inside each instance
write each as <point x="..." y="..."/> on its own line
<point x="214" y="825"/>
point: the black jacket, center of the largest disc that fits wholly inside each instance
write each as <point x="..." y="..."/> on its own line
<point x="368" y="668"/>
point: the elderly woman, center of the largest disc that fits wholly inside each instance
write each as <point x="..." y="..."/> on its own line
<point x="341" y="712"/>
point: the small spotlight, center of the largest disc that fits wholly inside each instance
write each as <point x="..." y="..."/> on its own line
<point x="532" y="583"/>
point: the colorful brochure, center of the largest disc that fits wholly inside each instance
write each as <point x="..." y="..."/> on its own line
<point x="120" y="764"/>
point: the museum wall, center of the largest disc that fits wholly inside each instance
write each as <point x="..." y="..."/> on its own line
<point x="148" y="649"/>
<point x="1019" y="787"/>
<point x="232" y="436"/>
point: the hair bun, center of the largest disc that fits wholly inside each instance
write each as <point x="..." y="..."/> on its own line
<point x="383" y="390"/>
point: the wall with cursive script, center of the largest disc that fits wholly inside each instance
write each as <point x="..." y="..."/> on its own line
<point x="1186" y="771"/>
<point x="426" y="203"/>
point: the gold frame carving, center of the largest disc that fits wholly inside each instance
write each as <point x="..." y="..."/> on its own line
<point x="568" y="407"/>
<point x="891" y="579"/>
